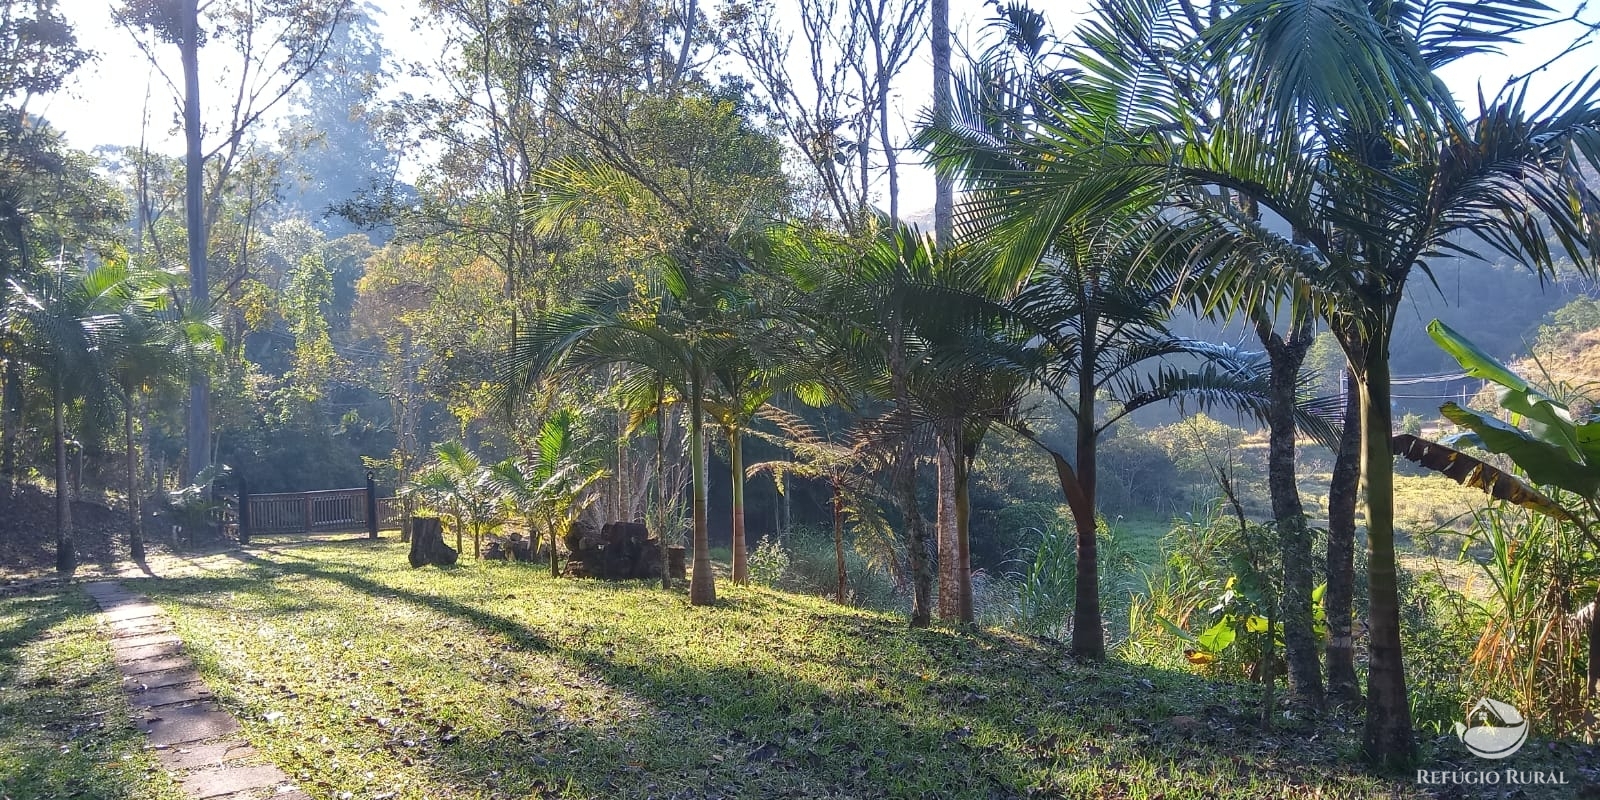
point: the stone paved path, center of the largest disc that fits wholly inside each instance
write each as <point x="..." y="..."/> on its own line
<point x="193" y="737"/>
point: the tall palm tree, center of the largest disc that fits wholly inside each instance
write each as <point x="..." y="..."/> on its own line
<point x="153" y="347"/>
<point x="67" y="314"/>
<point x="1340" y="127"/>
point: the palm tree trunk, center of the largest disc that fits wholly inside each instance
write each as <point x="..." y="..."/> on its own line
<point x="1387" y="739"/>
<point x="135" y="517"/>
<point x="554" y="572"/>
<point x="1088" y="637"/>
<point x="66" y="558"/>
<point x="945" y="530"/>
<point x="963" y="552"/>
<point x="838" y="544"/>
<point x="1294" y="535"/>
<point x="702" y="582"/>
<point x="905" y="481"/>
<point x="459" y="526"/>
<point x="10" y="421"/>
<point x="1339" y="599"/>
<point x="905" y="490"/>
<point x="741" y="562"/>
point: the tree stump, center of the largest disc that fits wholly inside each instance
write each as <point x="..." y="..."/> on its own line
<point x="427" y="543"/>
<point x="619" y="551"/>
<point x="676" y="566"/>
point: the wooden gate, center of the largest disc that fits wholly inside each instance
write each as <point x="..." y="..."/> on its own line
<point x="327" y="511"/>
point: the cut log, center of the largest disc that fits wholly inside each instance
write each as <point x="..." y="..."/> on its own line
<point x="619" y="551"/>
<point x="427" y="543"/>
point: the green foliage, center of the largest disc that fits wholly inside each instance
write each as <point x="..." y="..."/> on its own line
<point x="1582" y="314"/>
<point x="769" y="563"/>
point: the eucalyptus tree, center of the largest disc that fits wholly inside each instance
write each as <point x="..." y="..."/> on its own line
<point x="1341" y="127"/>
<point x="276" y="46"/>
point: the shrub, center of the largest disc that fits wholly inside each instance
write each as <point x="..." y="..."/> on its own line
<point x="769" y="563"/>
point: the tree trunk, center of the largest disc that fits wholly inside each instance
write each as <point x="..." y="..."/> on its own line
<point x="943" y="186"/>
<point x="702" y="582"/>
<point x="1339" y="598"/>
<point x="459" y="526"/>
<point x="741" y="559"/>
<point x="905" y="490"/>
<point x="135" y="515"/>
<point x="1387" y="740"/>
<point x="945" y="530"/>
<point x="963" y="550"/>
<point x="838" y="544"/>
<point x="427" y="544"/>
<point x="661" y="484"/>
<point x="1294" y="535"/>
<point x="199" y="427"/>
<point x="66" y="557"/>
<point x="10" y="421"/>
<point x="1088" y="635"/>
<point x="555" y="572"/>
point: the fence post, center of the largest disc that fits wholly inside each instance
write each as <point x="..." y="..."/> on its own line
<point x="372" y="506"/>
<point x="244" y="511"/>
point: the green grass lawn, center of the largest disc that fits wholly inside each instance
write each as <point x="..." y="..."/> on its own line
<point x="65" y="730"/>
<point x="357" y="674"/>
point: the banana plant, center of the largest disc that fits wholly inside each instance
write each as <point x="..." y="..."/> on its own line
<point x="1554" y="443"/>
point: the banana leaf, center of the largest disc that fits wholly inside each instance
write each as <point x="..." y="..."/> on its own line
<point x="1469" y="471"/>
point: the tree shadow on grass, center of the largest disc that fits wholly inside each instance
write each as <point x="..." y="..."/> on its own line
<point x="847" y="705"/>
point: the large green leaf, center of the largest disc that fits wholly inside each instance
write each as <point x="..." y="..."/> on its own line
<point x="1549" y="420"/>
<point x="1546" y="464"/>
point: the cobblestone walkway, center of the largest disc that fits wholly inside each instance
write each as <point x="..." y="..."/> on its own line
<point x="192" y="736"/>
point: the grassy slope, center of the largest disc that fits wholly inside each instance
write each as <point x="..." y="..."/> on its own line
<point x="495" y="681"/>
<point x="64" y="726"/>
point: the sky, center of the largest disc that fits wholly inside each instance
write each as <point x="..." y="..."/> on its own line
<point x="105" y="102"/>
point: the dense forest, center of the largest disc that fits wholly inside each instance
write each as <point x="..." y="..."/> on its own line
<point x="1148" y="379"/>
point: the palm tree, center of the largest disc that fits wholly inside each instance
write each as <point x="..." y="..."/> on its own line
<point x="550" y="488"/>
<point x="152" y="349"/>
<point x="675" y="327"/>
<point x="66" y="315"/>
<point x="1370" y="162"/>
<point x="459" y="484"/>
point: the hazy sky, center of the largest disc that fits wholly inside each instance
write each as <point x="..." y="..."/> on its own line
<point x="108" y="98"/>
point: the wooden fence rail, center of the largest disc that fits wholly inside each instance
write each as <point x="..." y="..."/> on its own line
<point x="328" y="511"/>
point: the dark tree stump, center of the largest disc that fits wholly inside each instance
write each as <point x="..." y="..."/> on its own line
<point x="619" y="551"/>
<point x="427" y="543"/>
<point x="675" y="564"/>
